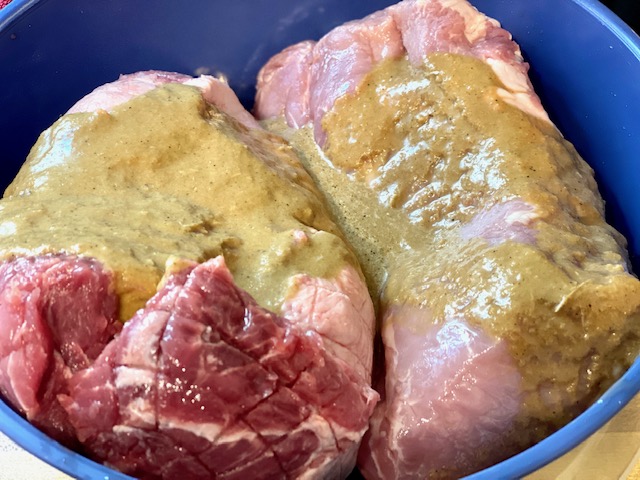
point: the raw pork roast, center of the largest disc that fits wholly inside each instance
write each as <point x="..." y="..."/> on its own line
<point x="507" y="306"/>
<point x="202" y="382"/>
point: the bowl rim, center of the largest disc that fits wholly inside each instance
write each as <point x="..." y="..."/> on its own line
<point x="613" y="23"/>
<point x="571" y="435"/>
<point x="74" y="464"/>
<point x="626" y="387"/>
<point x="552" y="447"/>
<point x="13" y="11"/>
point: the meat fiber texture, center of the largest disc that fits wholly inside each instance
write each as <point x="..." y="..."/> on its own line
<point x="205" y="383"/>
<point x="202" y="382"/>
<point x="453" y="393"/>
<point x="56" y="315"/>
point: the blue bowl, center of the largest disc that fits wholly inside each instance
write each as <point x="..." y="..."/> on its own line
<point x="585" y="65"/>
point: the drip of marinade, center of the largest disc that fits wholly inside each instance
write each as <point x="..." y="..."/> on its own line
<point x="417" y="153"/>
<point x="167" y="176"/>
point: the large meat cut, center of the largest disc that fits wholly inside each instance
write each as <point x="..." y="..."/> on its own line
<point x="204" y="383"/>
<point x="247" y="349"/>
<point x="506" y="302"/>
<point x="186" y="294"/>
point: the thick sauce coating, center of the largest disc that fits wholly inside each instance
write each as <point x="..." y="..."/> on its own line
<point x="167" y="176"/>
<point x="413" y="161"/>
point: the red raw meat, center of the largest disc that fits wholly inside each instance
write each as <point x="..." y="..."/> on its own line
<point x="57" y="313"/>
<point x="203" y="381"/>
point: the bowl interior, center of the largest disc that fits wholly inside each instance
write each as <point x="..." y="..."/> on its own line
<point x="585" y="65"/>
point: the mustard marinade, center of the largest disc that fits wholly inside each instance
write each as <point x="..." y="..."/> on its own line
<point x="167" y="176"/>
<point x="412" y="156"/>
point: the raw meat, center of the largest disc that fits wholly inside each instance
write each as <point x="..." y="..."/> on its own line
<point x="303" y="81"/>
<point x="339" y="309"/>
<point x="57" y="313"/>
<point x="202" y="379"/>
<point x="203" y="382"/>
<point x="495" y="327"/>
<point x="110" y="95"/>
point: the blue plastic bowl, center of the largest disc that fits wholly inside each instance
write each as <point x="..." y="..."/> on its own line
<point x="585" y="65"/>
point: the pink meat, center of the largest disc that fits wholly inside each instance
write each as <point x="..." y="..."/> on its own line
<point x="510" y="220"/>
<point x="205" y="382"/>
<point x="303" y="81"/>
<point x="110" y="95"/>
<point x="340" y="309"/>
<point x="286" y="83"/>
<point x="454" y="391"/>
<point x="56" y="313"/>
<point x="451" y="389"/>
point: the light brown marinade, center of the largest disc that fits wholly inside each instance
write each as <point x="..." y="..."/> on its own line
<point x="412" y="156"/>
<point x="167" y="176"/>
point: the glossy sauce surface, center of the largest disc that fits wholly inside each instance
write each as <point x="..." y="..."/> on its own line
<point x="165" y="177"/>
<point x="417" y="163"/>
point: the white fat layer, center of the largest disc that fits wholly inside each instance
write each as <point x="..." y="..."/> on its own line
<point x="336" y="468"/>
<point x="210" y="431"/>
<point x="148" y="332"/>
<point x="203" y="82"/>
<point x="475" y="23"/>
<point x="327" y="451"/>
<point x="236" y="436"/>
<point x="514" y="79"/>
<point x="141" y="412"/>
<point x="522" y="217"/>
<point x="518" y="92"/>
<point x="124" y="429"/>
<point x="525" y="102"/>
<point x="133" y="377"/>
